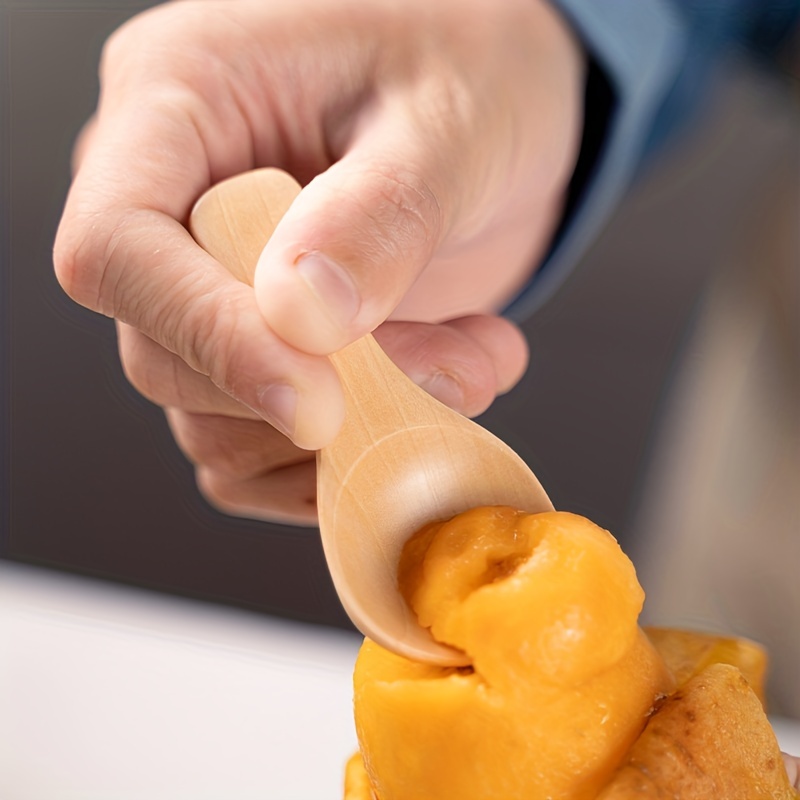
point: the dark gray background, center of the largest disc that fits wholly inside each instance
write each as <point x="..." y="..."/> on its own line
<point x="92" y="480"/>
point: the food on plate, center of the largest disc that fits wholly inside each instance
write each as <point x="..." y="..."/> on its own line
<point x="711" y="738"/>
<point x="562" y="680"/>
<point x="688" y="653"/>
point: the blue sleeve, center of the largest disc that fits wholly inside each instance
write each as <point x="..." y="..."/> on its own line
<point x="649" y="65"/>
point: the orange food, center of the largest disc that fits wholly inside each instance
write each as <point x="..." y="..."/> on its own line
<point x="356" y="780"/>
<point x="688" y="653"/>
<point x="562" y="682"/>
<point x="563" y="678"/>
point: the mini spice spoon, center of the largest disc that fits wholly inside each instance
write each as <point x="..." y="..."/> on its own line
<point x="402" y="459"/>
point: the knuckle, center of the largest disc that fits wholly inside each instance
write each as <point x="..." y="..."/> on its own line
<point x="137" y="34"/>
<point x="217" y="490"/>
<point x="213" y="338"/>
<point x="151" y="38"/>
<point x="140" y="366"/>
<point x="117" y="44"/>
<point x="67" y="262"/>
<point x="219" y="328"/>
<point x="133" y="39"/>
<point x="476" y="375"/>
<point x="290" y="497"/>
<point x="441" y="351"/>
<point x="237" y="449"/>
<point x="408" y="216"/>
<point x="82" y="256"/>
<point x="200" y="446"/>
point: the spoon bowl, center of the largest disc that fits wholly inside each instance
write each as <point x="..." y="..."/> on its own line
<point x="401" y="460"/>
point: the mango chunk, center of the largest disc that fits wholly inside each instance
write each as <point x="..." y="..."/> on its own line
<point x="688" y="653"/>
<point x="562" y="680"/>
<point x="710" y="739"/>
<point x="356" y="780"/>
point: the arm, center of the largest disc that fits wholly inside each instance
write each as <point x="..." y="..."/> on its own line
<point x="651" y="64"/>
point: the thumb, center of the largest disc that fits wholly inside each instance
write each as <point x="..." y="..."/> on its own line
<point x="356" y="238"/>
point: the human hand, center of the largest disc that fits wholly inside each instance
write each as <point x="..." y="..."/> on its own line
<point x="436" y="141"/>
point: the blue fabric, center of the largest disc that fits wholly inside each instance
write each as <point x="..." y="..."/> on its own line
<point x="657" y="57"/>
<point x="712" y="28"/>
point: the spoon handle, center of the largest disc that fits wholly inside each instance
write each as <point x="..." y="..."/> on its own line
<point x="233" y="223"/>
<point x="380" y="399"/>
<point x="235" y="220"/>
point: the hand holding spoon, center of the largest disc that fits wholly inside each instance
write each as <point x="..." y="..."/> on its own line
<point x="402" y="459"/>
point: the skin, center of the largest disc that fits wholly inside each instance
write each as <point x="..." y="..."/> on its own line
<point x="434" y="140"/>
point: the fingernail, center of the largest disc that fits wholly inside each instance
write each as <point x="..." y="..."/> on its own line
<point x="332" y="285"/>
<point x="444" y="388"/>
<point x="278" y="402"/>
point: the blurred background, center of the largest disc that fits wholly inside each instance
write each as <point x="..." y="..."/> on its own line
<point x="627" y="374"/>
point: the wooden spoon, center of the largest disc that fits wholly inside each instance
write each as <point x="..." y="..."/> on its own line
<point x="402" y="458"/>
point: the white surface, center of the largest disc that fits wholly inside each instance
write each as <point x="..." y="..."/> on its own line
<point x="788" y="733"/>
<point x="109" y="693"/>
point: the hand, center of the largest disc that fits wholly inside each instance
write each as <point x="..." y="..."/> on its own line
<point x="435" y="140"/>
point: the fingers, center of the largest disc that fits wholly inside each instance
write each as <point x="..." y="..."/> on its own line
<point x="235" y="448"/>
<point x="415" y="163"/>
<point x="167" y="380"/>
<point x="144" y="269"/>
<point x="464" y="363"/>
<point x="504" y="343"/>
<point x="156" y="144"/>
<point x="286" y="495"/>
<point x="247" y="468"/>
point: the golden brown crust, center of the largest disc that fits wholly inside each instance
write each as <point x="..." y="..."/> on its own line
<point x="709" y="739"/>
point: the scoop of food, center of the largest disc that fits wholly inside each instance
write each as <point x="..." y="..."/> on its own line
<point x="565" y="696"/>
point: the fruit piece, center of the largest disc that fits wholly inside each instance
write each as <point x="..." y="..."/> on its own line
<point x="356" y="780"/>
<point x="710" y="739"/>
<point x="688" y="653"/>
<point x="546" y="605"/>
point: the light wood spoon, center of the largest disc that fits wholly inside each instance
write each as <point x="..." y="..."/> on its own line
<point x="402" y="458"/>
